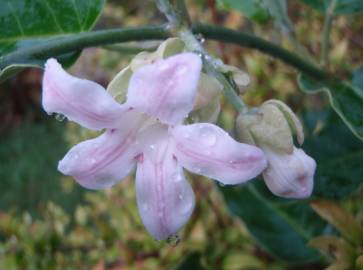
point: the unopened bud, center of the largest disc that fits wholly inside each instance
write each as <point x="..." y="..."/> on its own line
<point x="290" y="172"/>
<point x="289" y="175"/>
<point x="268" y="126"/>
<point x="208" y="89"/>
<point x="119" y="84"/>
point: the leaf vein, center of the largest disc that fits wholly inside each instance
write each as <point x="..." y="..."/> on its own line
<point x="13" y="13"/>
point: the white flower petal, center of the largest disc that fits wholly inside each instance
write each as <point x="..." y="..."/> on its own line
<point x="82" y="101"/>
<point x="105" y="160"/>
<point x="165" y="199"/>
<point x="208" y="150"/>
<point x="167" y="88"/>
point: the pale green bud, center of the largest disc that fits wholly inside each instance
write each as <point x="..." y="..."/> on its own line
<point x="207" y="100"/>
<point x="272" y="126"/>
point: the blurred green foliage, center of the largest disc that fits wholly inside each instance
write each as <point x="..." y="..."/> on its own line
<point x="29" y="155"/>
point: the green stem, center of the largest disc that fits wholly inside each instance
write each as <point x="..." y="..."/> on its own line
<point x="228" y="89"/>
<point x="180" y="15"/>
<point x="250" y="41"/>
<point x="328" y="22"/>
<point x="75" y="42"/>
<point x="132" y="48"/>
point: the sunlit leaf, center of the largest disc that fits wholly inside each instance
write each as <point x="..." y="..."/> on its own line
<point x="345" y="99"/>
<point x="342" y="220"/>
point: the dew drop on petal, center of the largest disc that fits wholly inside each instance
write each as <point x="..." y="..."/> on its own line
<point x="177" y="177"/>
<point x="173" y="240"/>
<point x="152" y="147"/>
<point x="208" y="137"/>
<point x="185" y="209"/>
<point x="145" y="207"/>
<point x="59" y="117"/>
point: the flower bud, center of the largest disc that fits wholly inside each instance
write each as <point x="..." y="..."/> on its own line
<point x="208" y="89"/>
<point x="206" y="106"/>
<point x="267" y="126"/>
<point x="290" y="171"/>
<point x="289" y="175"/>
<point x="119" y="84"/>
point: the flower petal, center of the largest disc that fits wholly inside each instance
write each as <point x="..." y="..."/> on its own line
<point x="105" y="160"/>
<point x="290" y="175"/>
<point x="165" y="199"/>
<point x="82" y="101"/>
<point x="167" y="88"/>
<point x="208" y="150"/>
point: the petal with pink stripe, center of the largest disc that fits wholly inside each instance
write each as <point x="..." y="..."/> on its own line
<point x="105" y="160"/>
<point x="208" y="150"/>
<point x="167" y="88"/>
<point x="165" y="198"/>
<point x="81" y="101"/>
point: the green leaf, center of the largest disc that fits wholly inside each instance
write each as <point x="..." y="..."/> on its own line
<point x="343" y="7"/>
<point x="337" y="152"/>
<point x="190" y="261"/>
<point x="281" y="227"/>
<point x="278" y="10"/>
<point x="357" y="79"/>
<point x="345" y="99"/>
<point x="252" y="9"/>
<point x="34" y="22"/>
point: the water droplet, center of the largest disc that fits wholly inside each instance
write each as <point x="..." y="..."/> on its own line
<point x="152" y="147"/>
<point x="181" y="197"/>
<point x="209" y="138"/>
<point x="177" y="177"/>
<point x="145" y="207"/>
<point x="200" y="38"/>
<point x="59" y="117"/>
<point x="186" y="208"/>
<point x="195" y="118"/>
<point x="221" y="184"/>
<point x="186" y="135"/>
<point x="173" y="240"/>
<point x="197" y="169"/>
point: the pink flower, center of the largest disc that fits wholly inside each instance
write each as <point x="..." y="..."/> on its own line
<point x="147" y="131"/>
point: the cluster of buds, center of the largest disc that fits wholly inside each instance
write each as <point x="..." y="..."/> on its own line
<point x="290" y="171"/>
<point x="206" y="105"/>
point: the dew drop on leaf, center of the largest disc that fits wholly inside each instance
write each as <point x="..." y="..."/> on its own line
<point x="173" y="240"/>
<point x="59" y="117"/>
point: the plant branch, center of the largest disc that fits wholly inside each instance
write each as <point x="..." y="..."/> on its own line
<point x="328" y="23"/>
<point x="181" y="28"/>
<point x="223" y="34"/>
<point x="75" y="42"/>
